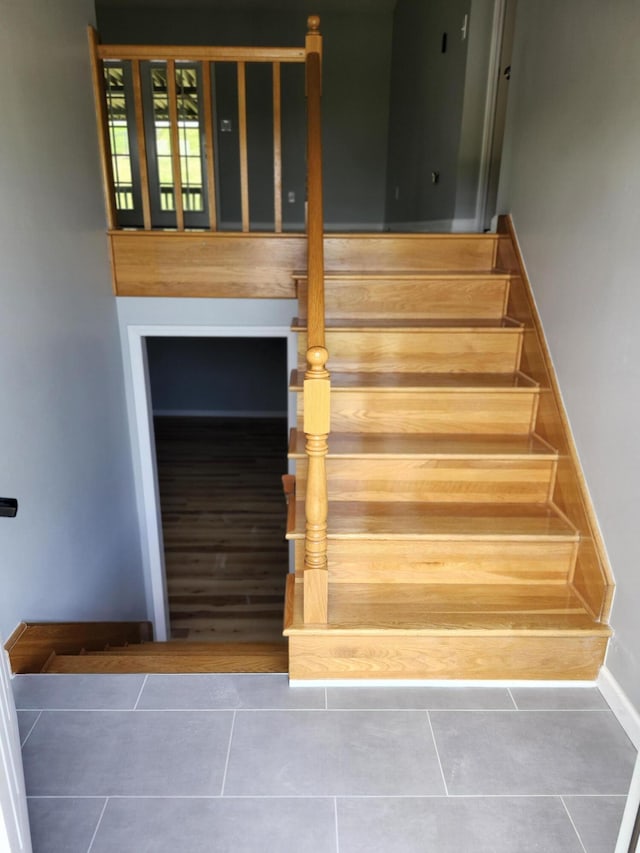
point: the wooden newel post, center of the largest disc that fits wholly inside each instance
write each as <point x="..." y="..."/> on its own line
<point x="316" y="427"/>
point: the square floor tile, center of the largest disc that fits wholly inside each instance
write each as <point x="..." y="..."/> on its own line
<point x="559" y="699"/>
<point x="318" y="753"/>
<point x="533" y="752"/>
<point x="63" y="825"/>
<point x="450" y="698"/>
<point x="217" y="826"/>
<point x="26" y="720"/>
<point x="99" y="753"/>
<point x="227" y="690"/>
<point x="455" y="825"/>
<point x="59" y="692"/>
<point x="597" y="820"/>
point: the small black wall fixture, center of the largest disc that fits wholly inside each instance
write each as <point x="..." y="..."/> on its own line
<point x="8" y="507"/>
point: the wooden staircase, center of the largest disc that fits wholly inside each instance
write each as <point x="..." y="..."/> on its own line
<point x="460" y="540"/>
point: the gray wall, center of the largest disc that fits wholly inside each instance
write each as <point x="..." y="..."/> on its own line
<point x="427" y="95"/>
<point x="357" y="59"/>
<point x="73" y="551"/>
<point x="218" y="376"/>
<point x="573" y="185"/>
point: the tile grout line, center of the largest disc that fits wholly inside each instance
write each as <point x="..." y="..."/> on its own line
<point x="28" y="735"/>
<point x="484" y="796"/>
<point x="515" y="704"/>
<point x="142" y="686"/>
<point x="95" y="832"/>
<point x="226" y="763"/>
<point x="335" y="814"/>
<point x="326" y="699"/>
<point x="575" y="828"/>
<point x="435" y="746"/>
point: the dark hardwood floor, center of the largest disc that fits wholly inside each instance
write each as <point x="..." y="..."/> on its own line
<point x="223" y="517"/>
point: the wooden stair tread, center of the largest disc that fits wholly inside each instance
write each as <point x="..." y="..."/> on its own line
<point x="416" y="609"/>
<point x="400" y="445"/>
<point x="408" y="520"/>
<point x="391" y="382"/>
<point x="407" y="275"/>
<point x="376" y="324"/>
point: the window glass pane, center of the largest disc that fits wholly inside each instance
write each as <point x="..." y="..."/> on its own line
<point x="162" y="135"/>
<point x="189" y="136"/>
<point x="118" y="135"/>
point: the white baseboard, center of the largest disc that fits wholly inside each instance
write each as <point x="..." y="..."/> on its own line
<point x="218" y="413"/>
<point x="625" y="711"/>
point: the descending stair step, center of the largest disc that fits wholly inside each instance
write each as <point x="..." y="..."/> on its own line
<point x="384" y="520"/>
<point x="490" y="348"/>
<point x="483" y="403"/>
<point x="433" y="295"/>
<point x="412" y="632"/>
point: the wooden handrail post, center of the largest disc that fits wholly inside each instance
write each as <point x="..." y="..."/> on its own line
<point x="317" y="385"/>
<point x="317" y="389"/>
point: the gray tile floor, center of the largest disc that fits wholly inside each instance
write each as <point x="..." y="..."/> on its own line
<point x="243" y="763"/>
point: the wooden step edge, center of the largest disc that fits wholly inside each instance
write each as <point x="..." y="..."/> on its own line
<point x="506" y="325"/>
<point x="550" y="454"/>
<point x="410" y="275"/>
<point x="297" y="629"/>
<point x="363" y="383"/>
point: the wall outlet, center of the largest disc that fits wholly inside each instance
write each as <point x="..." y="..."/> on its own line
<point x="226" y="125"/>
<point x="291" y="197"/>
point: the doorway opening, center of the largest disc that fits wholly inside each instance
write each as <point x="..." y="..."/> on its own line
<point x="220" y="429"/>
<point x="227" y="372"/>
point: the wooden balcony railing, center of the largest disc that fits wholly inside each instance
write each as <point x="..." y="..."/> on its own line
<point x="156" y="116"/>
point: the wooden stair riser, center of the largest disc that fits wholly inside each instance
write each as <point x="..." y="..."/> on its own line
<point x="441" y="480"/>
<point x="421" y="351"/>
<point x="438" y="411"/>
<point x="446" y="657"/>
<point x="484" y="298"/>
<point x="410" y="253"/>
<point x="446" y="562"/>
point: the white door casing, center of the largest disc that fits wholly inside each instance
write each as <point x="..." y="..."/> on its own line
<point x="14" y="819"/>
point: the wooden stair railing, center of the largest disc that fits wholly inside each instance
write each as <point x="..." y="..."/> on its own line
<point x="174" y="60"/>
<point x="317" y="383"/>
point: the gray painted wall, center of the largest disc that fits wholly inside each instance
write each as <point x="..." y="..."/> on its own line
<point x="357" y="61"/>
<point x="218" y="375"/>
<point x="573" y="184"/>
<point x="427" y="96"/>
<point x="73" y="551"/>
